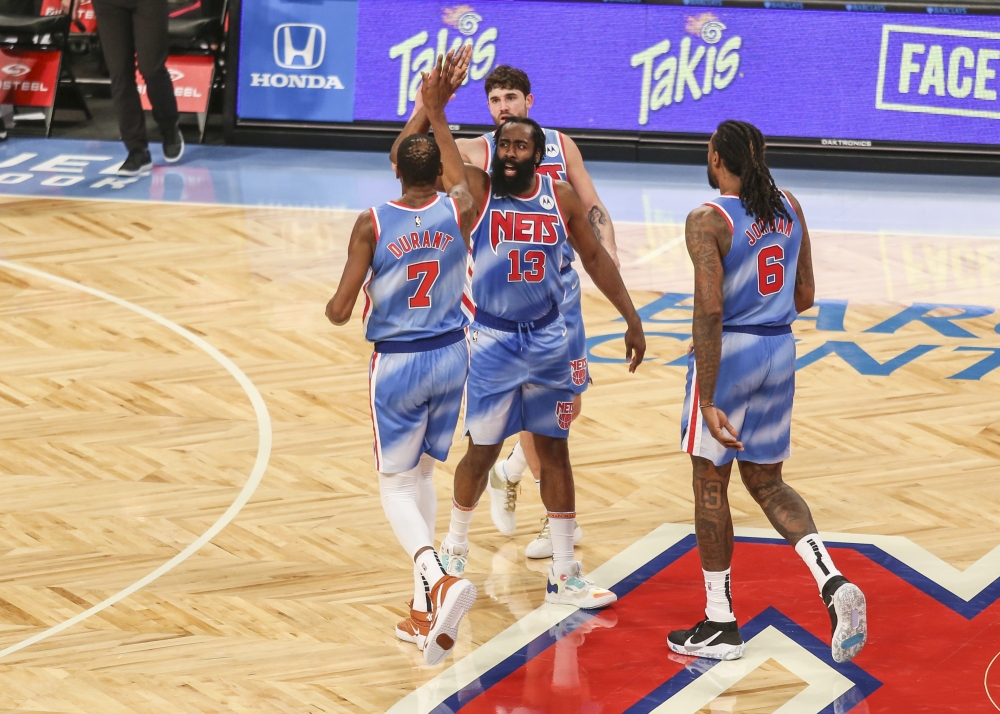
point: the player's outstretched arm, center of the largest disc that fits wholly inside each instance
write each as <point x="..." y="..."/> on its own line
<point x="436" y="91"/>
<point x="472" y="150"/>
<point x="597" y="214"/>
<point x="805" y="283"/>
<point x="602" y="270"/>
<point x="360" y="252"/>
<point x="704" y="231"/>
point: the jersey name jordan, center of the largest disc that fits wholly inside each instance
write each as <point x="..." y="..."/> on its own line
<point x="517" y="249"/>
<point x="758" y="286"/>
<point x="553" y="165"/>
<point x="418" y="286"/>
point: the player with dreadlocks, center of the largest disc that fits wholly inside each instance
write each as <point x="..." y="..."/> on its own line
<point x="741" y="381"/>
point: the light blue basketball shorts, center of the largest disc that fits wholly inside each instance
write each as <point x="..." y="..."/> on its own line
<point x="415" y="401"/>
<point x="518" y="381"/>
<point x="755" y="388"/>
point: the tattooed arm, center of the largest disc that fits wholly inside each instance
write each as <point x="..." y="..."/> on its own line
<point x="805" y="284"/>
<point x="597" y="214"/>
<point x="707" y="235"/>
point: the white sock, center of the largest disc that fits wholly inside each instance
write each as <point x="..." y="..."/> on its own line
<point x="426" y="496"/>
<point x="421" y="591"/>
<point x="514" y="465"/>
<point x="461" y="517"/>
<point x="719" y="595"/>
<point x="429" y="566"/>
<point x="399" y="500"/>
<point x="813" y="552"/>
<point x="561" y="527"/>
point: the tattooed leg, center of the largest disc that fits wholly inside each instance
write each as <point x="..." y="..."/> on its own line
<point x="784" y="508"/>
<point x="713" y="523"/>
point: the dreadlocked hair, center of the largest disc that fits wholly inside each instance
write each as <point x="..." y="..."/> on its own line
<point x="741" y="147"/>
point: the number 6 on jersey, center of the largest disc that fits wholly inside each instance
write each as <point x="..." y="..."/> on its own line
<point x="770" y="271"/>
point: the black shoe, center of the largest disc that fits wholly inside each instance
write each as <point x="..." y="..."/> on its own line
<point x="138" y="161"/>
<point x="3" y="131"/>
<point x="848" y="617"/>
<point x="173" y="144"/>
<point x="714" y="640"/>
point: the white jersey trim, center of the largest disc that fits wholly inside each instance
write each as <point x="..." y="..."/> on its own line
<point x="723" y="211"/>
<point x="416" y="209"/>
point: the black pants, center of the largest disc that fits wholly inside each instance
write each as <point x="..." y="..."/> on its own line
<point x="137" y="27"/>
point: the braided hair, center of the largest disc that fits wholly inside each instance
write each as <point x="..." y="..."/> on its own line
<point x="741" y="147"/>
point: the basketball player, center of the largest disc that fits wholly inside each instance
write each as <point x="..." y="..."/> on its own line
<point x="508" y="93"/>
<point x="520" y="376"/>
<point x="747" y="247"/>
<point x="411" y="256"/>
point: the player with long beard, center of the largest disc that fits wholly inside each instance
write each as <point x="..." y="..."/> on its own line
<point x="520" y="375"/>
<point x="508" y="94"/>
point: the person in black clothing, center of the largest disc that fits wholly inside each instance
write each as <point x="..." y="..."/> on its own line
<point x="128" y="28"/>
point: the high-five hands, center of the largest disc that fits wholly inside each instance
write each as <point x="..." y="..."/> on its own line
<point x="449" y="73"/>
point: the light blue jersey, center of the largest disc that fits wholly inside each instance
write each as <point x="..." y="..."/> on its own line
<point x="517" y="250"/>
<point x="759" y="283"/>
<point x="755" y="384"/>
<point x="418" y="302"/>
<point x="520" y="372"/>
<point x="553" y="165"/>
<point x="418" y="286"/>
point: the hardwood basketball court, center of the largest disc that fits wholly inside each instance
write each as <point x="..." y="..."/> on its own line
<point x="124" y="440"/>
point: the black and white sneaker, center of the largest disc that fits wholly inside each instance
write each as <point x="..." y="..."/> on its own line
<point x="173" y="144"/>
<point x="848" y="616"/>
<point x="714" y="640"/>
<point x="139" y="161"/>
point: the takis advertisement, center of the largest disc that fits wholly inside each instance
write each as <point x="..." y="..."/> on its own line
<point x="844" y="77"/>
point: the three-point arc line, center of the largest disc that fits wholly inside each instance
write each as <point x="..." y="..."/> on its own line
<point x="260" y="465"/>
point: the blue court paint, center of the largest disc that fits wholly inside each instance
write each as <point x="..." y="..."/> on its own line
<point x="639" y="193"/>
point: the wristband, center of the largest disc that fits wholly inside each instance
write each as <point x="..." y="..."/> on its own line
<point x="706" y="406"/>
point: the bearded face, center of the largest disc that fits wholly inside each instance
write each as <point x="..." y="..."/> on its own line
<point x="512" y="177"/>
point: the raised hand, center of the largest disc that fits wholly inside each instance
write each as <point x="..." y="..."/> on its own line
<point x="459" y="67"/>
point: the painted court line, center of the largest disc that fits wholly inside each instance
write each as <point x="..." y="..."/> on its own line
<point x="964" y="584"/>
<point x="260" y="465"/>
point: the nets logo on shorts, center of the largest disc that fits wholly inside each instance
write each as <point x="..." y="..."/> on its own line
<point x="564" y="414"/>
<point x="579" y="367"/>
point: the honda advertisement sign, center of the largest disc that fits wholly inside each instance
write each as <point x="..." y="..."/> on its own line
<point x="297" y="60"/>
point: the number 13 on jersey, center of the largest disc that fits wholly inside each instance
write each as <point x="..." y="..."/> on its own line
<point x="530" y="267"/>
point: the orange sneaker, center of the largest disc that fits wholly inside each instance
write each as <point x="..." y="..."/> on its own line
<point x="451" y="597"/>
<point x="414" y="628"/>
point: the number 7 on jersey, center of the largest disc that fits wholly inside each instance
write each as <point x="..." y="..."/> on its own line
<point x="427" y="273"/>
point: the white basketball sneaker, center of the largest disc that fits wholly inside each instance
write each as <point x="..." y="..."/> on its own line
<point x="453" y="558"/>
<point x="541" y="547"/>
<point x="571" y="588"/>
<point x="503" y="501"/>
